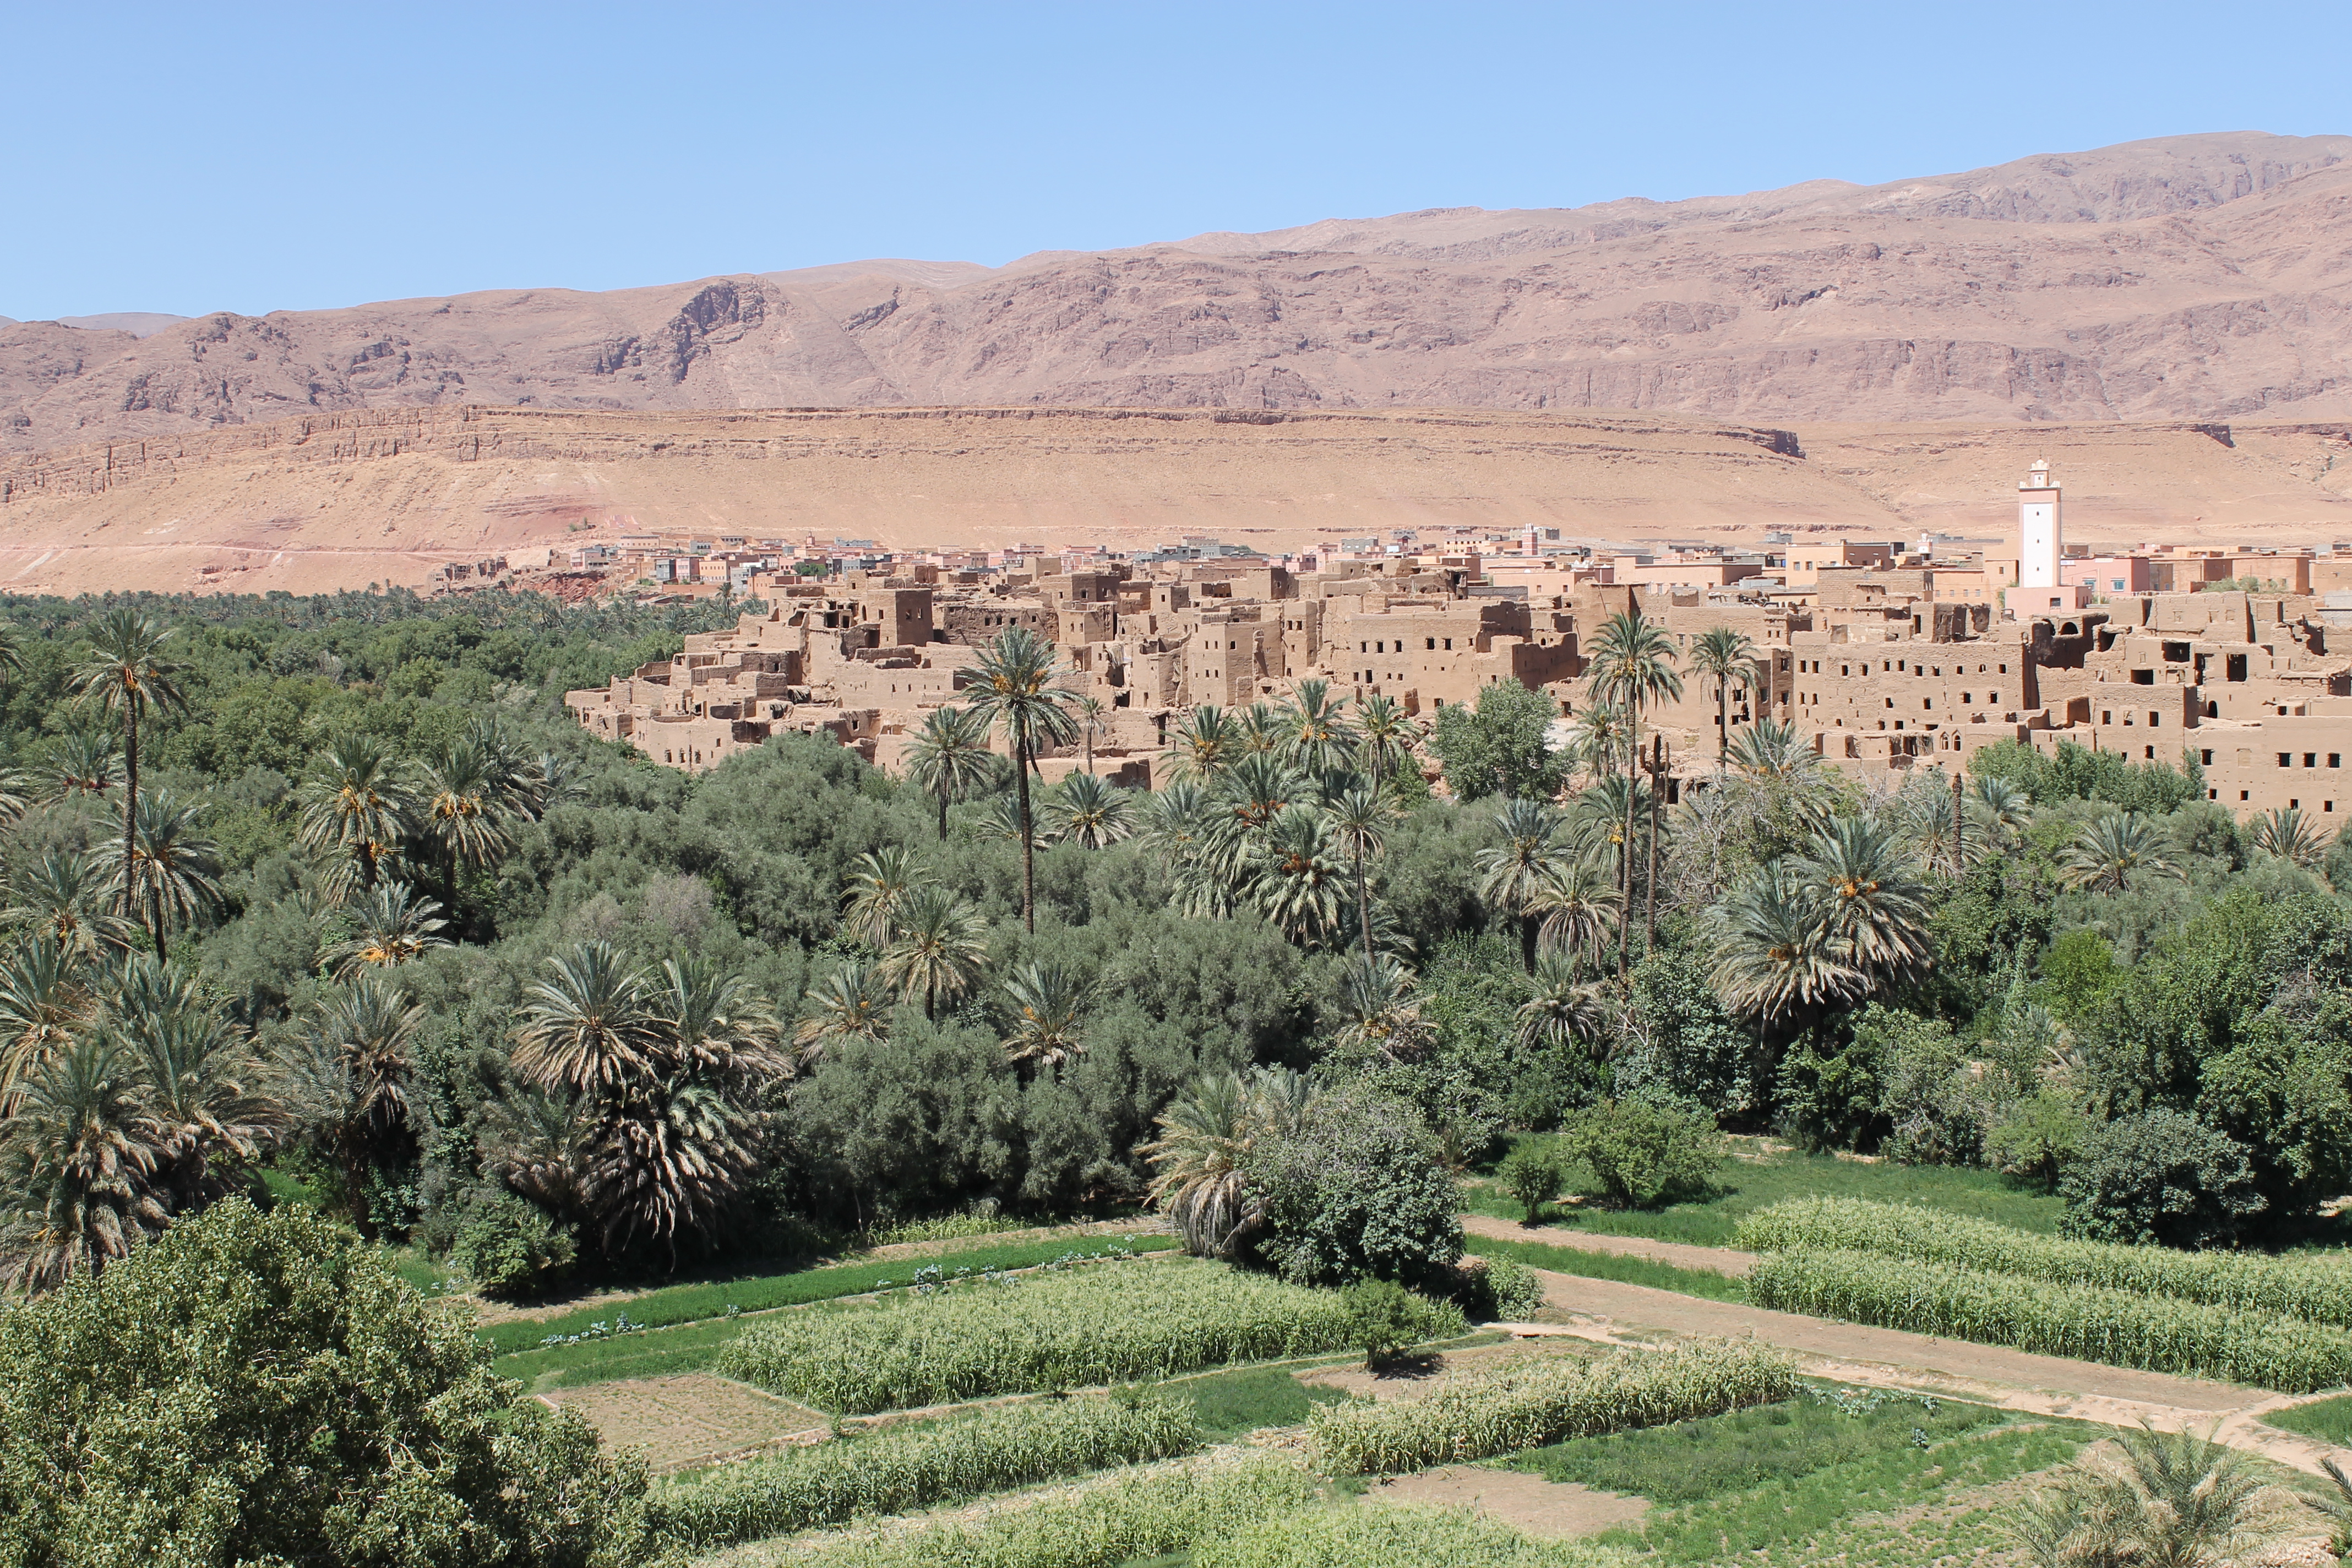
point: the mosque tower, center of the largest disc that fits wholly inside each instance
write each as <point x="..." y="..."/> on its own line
<point x="2041" y="529"/>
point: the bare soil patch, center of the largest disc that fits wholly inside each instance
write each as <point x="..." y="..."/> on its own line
<point x="1681" y="1254"/>
<point x="1414" y="1377"/>
<point x="1529" y="1503"/>
<point x="692" y="1418"/>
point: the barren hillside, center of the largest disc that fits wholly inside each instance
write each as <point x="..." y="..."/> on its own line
<point x="341" y="500"/>
<point x="2204" y="278"/>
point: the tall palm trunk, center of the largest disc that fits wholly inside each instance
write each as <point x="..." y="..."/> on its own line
<point x="1722" y="719"/>
<point x="1363" y="906"/>
<point x="1625" y="859"/>
<point x="1528" y="926"/>
<point x="1028" y="837"/>
<point x="130" y="800"/>
<point x="943" y="816"/>
<point x="1657" y="780"/>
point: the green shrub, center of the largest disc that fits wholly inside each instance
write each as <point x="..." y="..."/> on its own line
<point x="1534" y="1176"/>
<point x="1642" y="1155"/>
<point x="262" y="1388"/>
<point x="2119" y="1328"/>
<point x="910" y="1468"/>
<point x="509" y="1247"/>
<point x="2314" y="1286"/>
<point x="1149" y="1514"/>
<point x="2038" y="1139"/>
<point x="1359" y="1188"/>
<point x="1497" y="1289"/>
<point x="2161" y="1177"/>
<point x="1392" y="1535"/>
<point x="1387" y="1317"/>
<point x="1535" y="1403"/>
<point x="1044" y="1333"/>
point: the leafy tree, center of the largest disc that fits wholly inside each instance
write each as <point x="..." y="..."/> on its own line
<point x="1499" y="746"/>
<point x="1534" y="1176"/>
<point x="2159" y="1178"/>
<point x="1644" y="1155"/>
<point x="1357" y="1188"/>
<point x="262" y="1388"/>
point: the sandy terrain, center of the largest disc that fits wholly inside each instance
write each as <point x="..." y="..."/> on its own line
<point x="332" y="501"/>
<point x="1528" y="1502"/>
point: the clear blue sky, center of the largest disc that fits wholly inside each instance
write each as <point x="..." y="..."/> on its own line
<point x="253" y="157"/>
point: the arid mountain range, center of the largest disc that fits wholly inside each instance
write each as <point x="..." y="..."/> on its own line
<point x="2193" y="278"/>
<point x="2169" y="323"/>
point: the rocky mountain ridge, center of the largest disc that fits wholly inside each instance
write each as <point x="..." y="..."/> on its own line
<point x="2205" y="278"/>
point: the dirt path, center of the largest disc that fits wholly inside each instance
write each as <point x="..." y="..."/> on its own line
<point x="1681" y="1254"/>
<point x="1612" y="1314"/>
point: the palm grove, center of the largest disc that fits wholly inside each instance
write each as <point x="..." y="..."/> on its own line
<point x="325" y="900"/>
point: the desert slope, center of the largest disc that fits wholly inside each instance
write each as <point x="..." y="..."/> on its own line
<point x="2204" y="278"/>
<point x="342" y="501"/>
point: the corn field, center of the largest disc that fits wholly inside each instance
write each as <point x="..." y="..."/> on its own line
<point x="2317" y="1286"/>
<point x="916" y="1466"/>
<point x="1395" y="1535"/>
<point x="1149" y="1514"/>
<point x="2090" y="1322"/>
<point x="1549" y="1401"/>
<point x="1044" y="1333"/>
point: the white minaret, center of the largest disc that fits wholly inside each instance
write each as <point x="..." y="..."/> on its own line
<point x="2041" y="529"/>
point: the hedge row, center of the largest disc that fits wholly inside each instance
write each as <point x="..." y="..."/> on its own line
<point x="1550" y="1401"/>
<point x="899" y="1471"/>
<point x="2089" y="1322"/>
<point x="2317" y="1286"/>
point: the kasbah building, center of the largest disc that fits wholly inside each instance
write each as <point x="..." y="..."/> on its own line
<point x="1885" y="659"/>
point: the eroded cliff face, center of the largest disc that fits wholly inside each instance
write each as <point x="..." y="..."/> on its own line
<point x="2197" y="278"/>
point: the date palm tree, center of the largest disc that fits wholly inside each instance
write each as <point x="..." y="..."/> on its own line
<point x="707" y="1020"/>
<point x="941" y="944"/>
<point x="1578" y="905"/>
<point x="77" y="1169"/>
<point x="64" y="898"/>
<point x="1093" y="717"/>
<point x="1316" y="735"/>
<point x="44" y="998"/>
<point x="1087" y="811"/>
<point x="587" y="1028"/>
<point x="173" y="868"/>
<point x="466" y="793"/>
<point x="1014" y="683"/>
<point x="81" y="762"/>
<point x="1725" y="657"/>
<point x="2288" y="833"/>
<point x="1380" y="1010"/>
<point x="1873" y="906"/>
<point x="392" y="924"/>
<point x="850" y="1004"/>
<point x="1261" y="729"/>
<point x="1206" y="743"/>
<point x="128" y="675"/>
<point x="2110" y="847"/>
<point x="1201" y="1157"/>
<point x="1773" y="952"/>
<point x="1297" y="879"/>
<point x="347" y="1080"/>
<point x="1632" y="663"/>
<point x="1044" y="1004"/>
<point x="1510" y="873"/>
<point x="1361" y="816"/>
<point x="1386" y="733"/>
<point x="1561" y="1009"/>
<point x="200" y="1099"/>
<point x="880" y="881"/>
<point x="949" y="759"/>
<point x="356" y="805"/>
<point x="1596" y="739"/>
<point x="1998" y="813"/>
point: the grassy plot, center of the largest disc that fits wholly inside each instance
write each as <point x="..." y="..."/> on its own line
<point x="1226" y="1405"/>
<point x="1393" y="1535"/>
<point x="1691" y="1461"/>
<point x="2329" y="1420"/>
<point x="695" y="1303"/>
<point x="1772" y="1519"/>
<point x="1703" y="1282"/>
<point x="1044" y="1333"/>
<point x="1744" y="1185"/>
